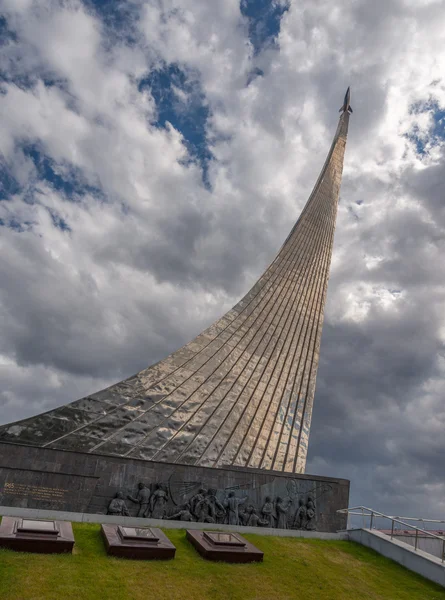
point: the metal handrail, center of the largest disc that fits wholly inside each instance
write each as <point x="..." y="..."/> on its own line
<point x="418" y="519"/>
<point x="374" y="513"/>
<point x="393" y="516"/>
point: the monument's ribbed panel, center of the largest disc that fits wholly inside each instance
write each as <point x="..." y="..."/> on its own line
<point x="241" y="393"/>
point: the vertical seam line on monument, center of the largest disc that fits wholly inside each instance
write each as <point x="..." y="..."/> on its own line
<point x="306" y="379"/>
<point x="263" y="308"/>
<point x="260" y="291"/>
<point x="271" y="275"/>
<point x="307" y="262"/>
<point x="321" y="280"/>
<point x="312" y="196"/>
<point x="325" y="200"/>
<point x="319" y="329"/>
<point x="295" y="282"/>
<point x="315" y="207"/>
<point x="344" y="134"/>
<point x="275" y="273"/>
<point x="321" y="285"/>
<point x="261" y="404"/>
<point x="277" y="267"/>
<point x="310" y="388"/>
<point x="281" y="265"/>
<point x="292" y="315"/>
<point x="249" y="361"/>
<point x="266" y="271"/>
<point x="286" y="365"/>
<point x="297" y="243"/>
<point x="255" y="443"/>
<point x="218" y="406"/>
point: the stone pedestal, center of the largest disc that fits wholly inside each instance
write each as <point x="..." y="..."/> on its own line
<point x="31" y="535"/>
<point x="225" y="547"/>
<point x="143" y="543"/>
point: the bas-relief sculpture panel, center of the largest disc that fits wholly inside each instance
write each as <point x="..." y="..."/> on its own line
<point x="283" y="503"/>
<point x="98" y="484"/>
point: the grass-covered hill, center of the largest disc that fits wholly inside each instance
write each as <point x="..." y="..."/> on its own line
<point x="293" y="568"/>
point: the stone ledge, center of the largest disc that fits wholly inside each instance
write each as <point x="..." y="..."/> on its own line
<point x="8" y="511"/>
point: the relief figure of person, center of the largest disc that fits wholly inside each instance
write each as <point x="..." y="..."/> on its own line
<point x="117" y="506"/>
<point x="252" y="517"/>
<point x="243" y="515"/>
<point x="267" y="513"/>
<point x="204" y="511"/>
<point x="143" y="499"/>
<point x="310" y="513"/>
<point x="183" y="515"/>
<point x="158" y="502"/>
<point x="282" y="508"/>
<point x="300" y="518"/>
<point x="232" y="504"/>
<point x="195" y="500"/>
<point x="218" y="510"/>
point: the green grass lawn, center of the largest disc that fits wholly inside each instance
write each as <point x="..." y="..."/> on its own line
<point x="293" y="568"/>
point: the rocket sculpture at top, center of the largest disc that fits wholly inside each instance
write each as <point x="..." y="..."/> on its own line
<point x="346" y="105"/>
<point x="240" y="393"/>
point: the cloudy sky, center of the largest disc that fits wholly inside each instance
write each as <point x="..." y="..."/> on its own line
<point x="154" y="156"/>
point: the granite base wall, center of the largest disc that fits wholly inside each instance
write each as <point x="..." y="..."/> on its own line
<point x="43" y="478"/>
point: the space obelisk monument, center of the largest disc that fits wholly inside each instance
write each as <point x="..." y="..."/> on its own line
<point x="239" y="396"/>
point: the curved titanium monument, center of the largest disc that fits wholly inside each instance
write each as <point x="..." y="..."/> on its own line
<point x="241" y="393"/>
<point x="217" y="432"/>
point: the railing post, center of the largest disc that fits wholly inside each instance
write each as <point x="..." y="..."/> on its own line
<point x="392" y="527"/>
<point x="372" y="517"/>
<point x="417" y="532"/>
<point x="363" y="518"/>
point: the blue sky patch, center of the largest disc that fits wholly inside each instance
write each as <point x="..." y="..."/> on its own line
<point x="8" y="184"/>
<point x="438" y="129"/>
<point x="6" y="34"/>
<point x="180" y="101"/>
<point x="14" y="224"/>
<point x="57" y="220"/>
<point x="424" y="141"/>
<point x="264" y="19"/>
<point x="254" y="73"/>
<point x="120" y="16"/>
<point x="66" y="179"/>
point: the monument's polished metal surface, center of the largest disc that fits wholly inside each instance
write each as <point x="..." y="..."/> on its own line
<point x="241" y="393"/>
